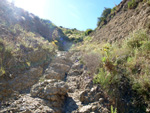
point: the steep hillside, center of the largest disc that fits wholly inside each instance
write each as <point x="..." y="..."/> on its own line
<point x="14" y="18"/>
<point x="123" y="21"/>
<point x="27" y="46"/>
<point x="74" y="35"/>
<point x="116" y="56"/>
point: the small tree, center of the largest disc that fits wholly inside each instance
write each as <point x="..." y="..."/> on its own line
<point x="88" y="31"/>
<point x="106" y="12"/>
<point x="103" y="17"/>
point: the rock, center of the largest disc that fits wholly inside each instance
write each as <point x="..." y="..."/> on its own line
<point x="60" y="67"/>
<point x="74" y="73"/>
<point x="27" y="79"/>
<point x="89" y="96"/>
<point x="54" y="75"/>
<point x="94" y="107"/>
<point x="83" y="96"/>
<point x="101" y="100"/>
<point x="53" y="90"/>
<point x="37" y="56"/>
<point x="76" y="69"/>
<point x="27" y="104"/>
<point x="85" y="109"/>
<point x="56" y="71"/>
<point x="49" y="88"/>
<point x="77" y="66"/>
<point x="62" y="60"/>
<point x="20" y="82"/>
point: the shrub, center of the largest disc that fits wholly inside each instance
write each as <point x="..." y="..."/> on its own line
<point x="146" y="47"/>
<point x="88" y="38"/>
<point x="102" y="78"/>
<point x="5" y="56"/>
<point x="132" y="4"/>
<point x="148" y="2"/>
<point x="127" y="64"/>
<point x="68" y="32"/>
<point x="102" y="19"/>
<point x="106" y="12"/>
<point x="136" y="39"/>
<point x="113" y="10"/>
<point x="92" y="61"/>
<point x="88" y="31"/>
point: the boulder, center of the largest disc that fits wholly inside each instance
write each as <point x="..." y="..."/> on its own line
<point x="94" y="107"/>
<point x="49" y="88"/>
<point x="56" y="71"/>
<point x="27" y="79"/>
<point x="53" y="90"/>
<point x="93" y="95"/>
<point x="20" y="82"/>
<point x="37" y="56"/>
<point x="85" y="109"/>
<point x="27" y="104"/>
<point x="76" y="69"/>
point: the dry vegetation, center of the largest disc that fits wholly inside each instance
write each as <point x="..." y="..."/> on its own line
<point x="24" y="50"/>
<point x="120" y="64"/>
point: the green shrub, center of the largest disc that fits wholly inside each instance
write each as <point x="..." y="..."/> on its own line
<point x="132" y="4"/>
<point x="5" y="56"/>
<point x="136" y="39"/>
<point x="148" y="2"/>
<point x="146" y="47"/>
<point x="106" y="12"/>
<point x="88" y="31"/>
<point x="68" y="32"/>
<point x="102" y="19"/>
<point x="88" y="38"/>
<point x="122" y="64"/>
<point x="102" y="78"/>
<point x="113" y="10"/>
<point x="113" y="110"/>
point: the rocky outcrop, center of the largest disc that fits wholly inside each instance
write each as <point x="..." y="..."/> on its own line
<point x="27" y="79"/>
<point x="95" y="107"/>
<point x="20" y="82"/>
<point x="69" y="91"/>
<point x="27" y="104"/>
<point x="83" y="95"/>
<point x="59" y="67"/>
<point x="52" y="90"/>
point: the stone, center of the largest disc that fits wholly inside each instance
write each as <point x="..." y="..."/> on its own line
<point x="85" y="109"/>
<point x="53" y="90"/>
<point x="27" y="79"/>
<point x="49" y="87"/>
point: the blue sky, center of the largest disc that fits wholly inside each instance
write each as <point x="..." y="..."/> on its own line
<point x="80" y="14"/>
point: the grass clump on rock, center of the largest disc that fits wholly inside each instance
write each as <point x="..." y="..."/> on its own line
<point x="132" y="4"/>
